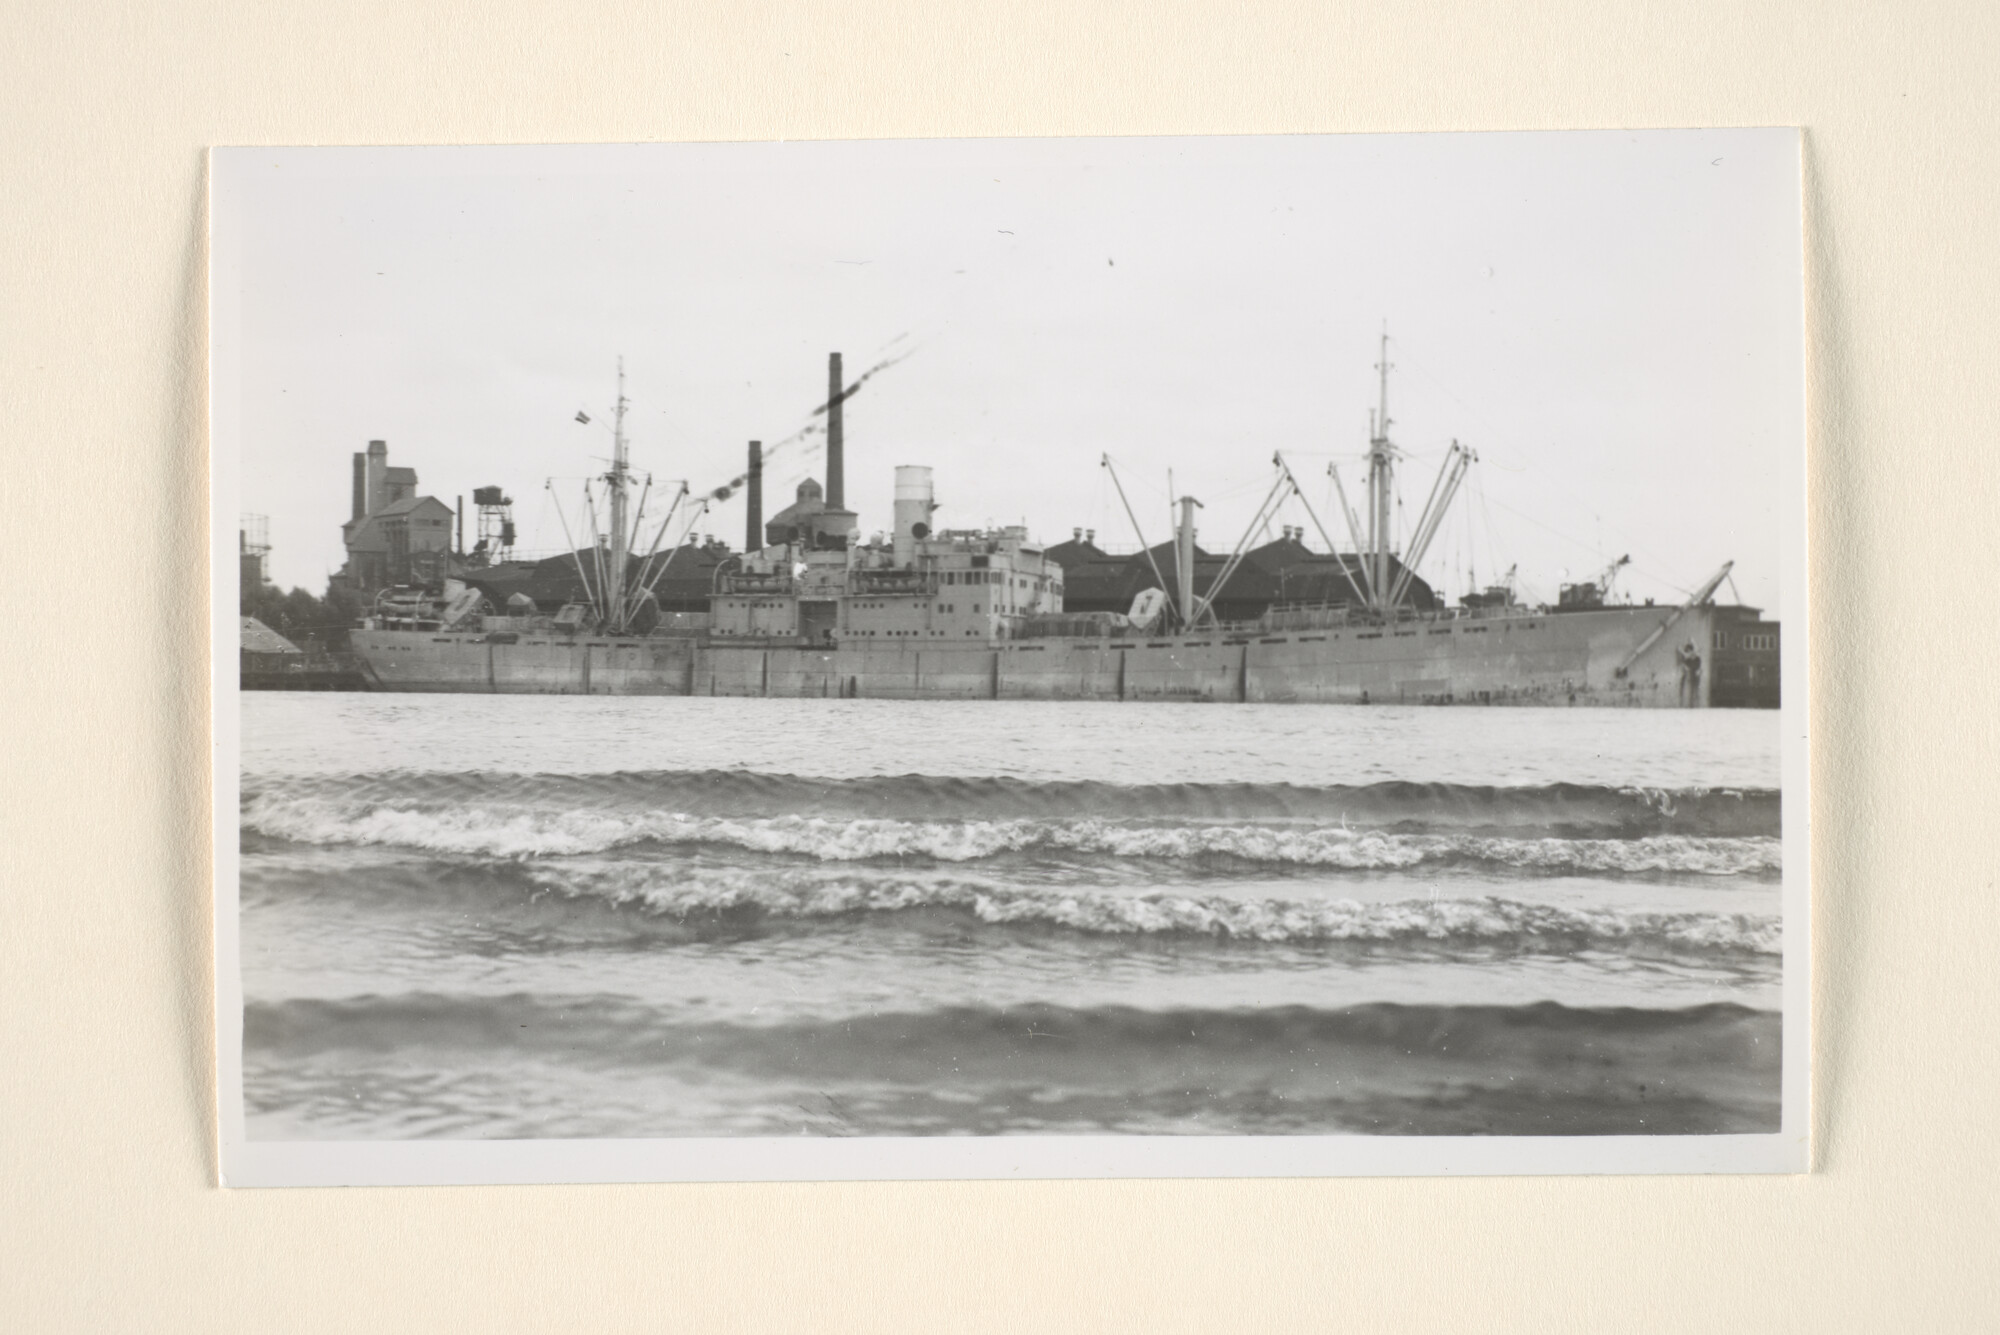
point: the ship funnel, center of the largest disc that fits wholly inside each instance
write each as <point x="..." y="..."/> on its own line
<point x="753" y="496"/>
<point x="836" y="482"/>
<point x="914" y="504"/>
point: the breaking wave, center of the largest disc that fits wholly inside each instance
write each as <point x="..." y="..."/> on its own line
<point x="1492" y="921"/>
<point x="1562" y="809"/>
<point x="501" y="833"/>
<point x="730" y="901"/>
<point x="1380" y="827"/>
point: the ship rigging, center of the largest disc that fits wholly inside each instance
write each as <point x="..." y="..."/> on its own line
<point x="617" y="599"/>
<point x="1384" y="579"/>
<point x="810" y="608"/>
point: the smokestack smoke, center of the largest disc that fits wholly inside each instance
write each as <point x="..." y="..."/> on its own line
<point x="753" y="524"/>
<point x="835" y="460"/>
<point x="804" y="436"/>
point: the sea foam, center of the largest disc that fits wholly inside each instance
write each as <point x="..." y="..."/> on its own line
<point x="523" y="832"/>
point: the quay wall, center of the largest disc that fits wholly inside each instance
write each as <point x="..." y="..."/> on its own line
<point x="473" y="663"/>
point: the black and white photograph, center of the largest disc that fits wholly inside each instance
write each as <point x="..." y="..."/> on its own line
<point x="1267" y="655"/>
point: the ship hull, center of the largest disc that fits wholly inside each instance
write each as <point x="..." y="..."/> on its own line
<point x="1569" y="659"/>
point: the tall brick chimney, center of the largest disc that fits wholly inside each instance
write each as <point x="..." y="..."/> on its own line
<point x="836" y="498"/>
<point x="360" y="485"/>
<point x="378" y="474"/>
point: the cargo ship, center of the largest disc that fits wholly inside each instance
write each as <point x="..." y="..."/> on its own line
<point x="811" y="609"/>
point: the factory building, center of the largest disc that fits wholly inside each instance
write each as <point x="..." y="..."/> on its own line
<point x="394" y="535"/>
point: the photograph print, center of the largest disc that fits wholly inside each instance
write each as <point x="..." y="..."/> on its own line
<point x="987" y="658"/>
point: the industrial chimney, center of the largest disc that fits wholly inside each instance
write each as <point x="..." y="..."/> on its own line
<point x="360" y="486"/>
<point x="378" y="474"/>
<point x="753" y="495"/>
<point x="836" y="498"/>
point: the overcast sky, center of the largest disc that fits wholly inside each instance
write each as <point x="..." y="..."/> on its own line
<point x="1611" y="320"/>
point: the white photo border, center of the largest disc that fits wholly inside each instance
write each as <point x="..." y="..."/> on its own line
<point x="268" y="1163"/>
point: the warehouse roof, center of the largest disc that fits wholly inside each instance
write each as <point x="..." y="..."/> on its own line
<point x="259" y="638"/>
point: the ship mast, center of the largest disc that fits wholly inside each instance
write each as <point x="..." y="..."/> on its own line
<point x="615" y="575"/>
<point x="1184" y="558"/>
<point x="1381" y="476"/>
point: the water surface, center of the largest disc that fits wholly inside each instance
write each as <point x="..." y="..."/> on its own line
<point x="508" y="916"/>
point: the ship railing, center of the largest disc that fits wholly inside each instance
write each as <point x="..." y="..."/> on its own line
<point x="865" y="582"/>
<point x="1501" y="612"/>
<point x="1302" y="616"/>
<point x="761" y="584"/>
<point x="1325" y="616"/>
<point x="1065" y="626"/>
<point x="670" y="625"/>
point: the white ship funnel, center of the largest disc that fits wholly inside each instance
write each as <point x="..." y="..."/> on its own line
<point x="914" y="505"/>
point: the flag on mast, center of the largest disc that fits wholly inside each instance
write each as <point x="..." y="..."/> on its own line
<point x="583" y="417"/>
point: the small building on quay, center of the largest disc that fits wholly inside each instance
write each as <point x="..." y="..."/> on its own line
<point x="1744" y="658"/>
<point x="264" y="652"/>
